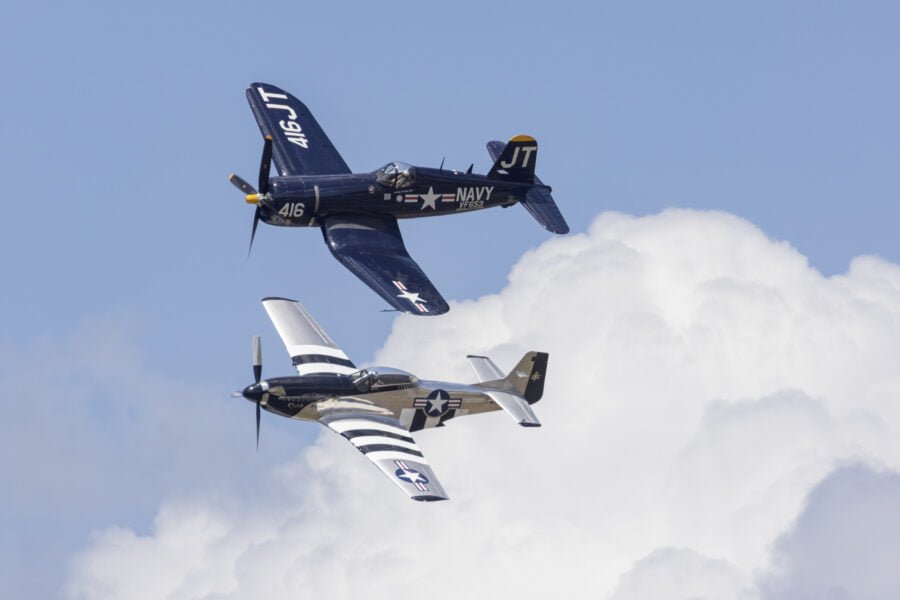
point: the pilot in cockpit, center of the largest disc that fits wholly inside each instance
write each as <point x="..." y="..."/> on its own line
<point x="396" y="175"/>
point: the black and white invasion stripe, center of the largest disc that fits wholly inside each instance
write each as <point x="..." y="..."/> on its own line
<point x="307" y="343"/>
<point x="377" y="439"/>
<point x="309" y="358"/>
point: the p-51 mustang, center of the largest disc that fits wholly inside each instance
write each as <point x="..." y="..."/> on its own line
<point x="358" y="212"/>
<point x="376" y="409"/>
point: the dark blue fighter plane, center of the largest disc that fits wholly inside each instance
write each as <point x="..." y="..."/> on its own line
<point x="358" y="212"/>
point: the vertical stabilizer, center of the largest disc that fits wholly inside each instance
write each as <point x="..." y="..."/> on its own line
<point x="516" y="161"/>
<point x="525" y="380"/>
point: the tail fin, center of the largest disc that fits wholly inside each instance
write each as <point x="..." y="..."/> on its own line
<point x="516" y="161"/>
<point x="525" y="380"/>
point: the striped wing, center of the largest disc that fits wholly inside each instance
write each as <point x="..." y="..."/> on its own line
<point x="384" y="441"/>
<point x="311" y="350"/>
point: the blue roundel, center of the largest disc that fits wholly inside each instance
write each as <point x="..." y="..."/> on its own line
<point x="411" y="476"/>
<point x="437" y="404"/>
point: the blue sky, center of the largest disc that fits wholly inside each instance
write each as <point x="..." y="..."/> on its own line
<point x="121" y="122"/>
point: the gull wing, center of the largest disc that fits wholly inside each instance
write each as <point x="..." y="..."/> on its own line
<point x="385" y="442"/>
<point x="310" y="348"/>
<point x="299" y="144"/>
<point x="372" y="248"/>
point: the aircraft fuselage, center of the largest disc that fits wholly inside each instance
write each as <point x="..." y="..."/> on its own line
<point x="419" y="406"/>
<point x="302" y="201"/>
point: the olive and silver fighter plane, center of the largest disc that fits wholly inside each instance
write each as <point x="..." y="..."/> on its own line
<point x="358" y="212"/>
<point x="377" y="409"/>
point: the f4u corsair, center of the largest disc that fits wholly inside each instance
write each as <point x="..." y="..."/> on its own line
<point x="358" y="212"/>
<point x="377" y="409"/>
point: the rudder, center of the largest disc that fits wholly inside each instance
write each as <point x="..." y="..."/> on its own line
<point x="516" y="161"/>
<point x="526" y="379"/>
<point x="535" y="365"/>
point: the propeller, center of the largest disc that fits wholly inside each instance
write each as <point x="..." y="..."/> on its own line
<point x="254" y="196"/>
<point x="257" y="376"/>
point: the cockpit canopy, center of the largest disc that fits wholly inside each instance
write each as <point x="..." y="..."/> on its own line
<point x="376" y="378"/>
<point x="396" y="175"/>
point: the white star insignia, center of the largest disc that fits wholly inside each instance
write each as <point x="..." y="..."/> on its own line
<point x="411" y="476"/>
<point x="536" y="376"/>
<point x="429" y="199"/>
<point x="437" y="405"/>
<point x="411" y="296"/>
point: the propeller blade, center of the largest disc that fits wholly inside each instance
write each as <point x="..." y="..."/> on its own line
<point x="241" y="184"/>
<point x="265" y="165"/>
<point x="258" y="417"/>
<point x="257" y="359"/>
<point x="253" y="231"/>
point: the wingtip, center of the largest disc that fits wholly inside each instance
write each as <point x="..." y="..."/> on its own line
<point x="431" y="498"/>
<point x="440" y="306"/>
<point x="267" y="298"/>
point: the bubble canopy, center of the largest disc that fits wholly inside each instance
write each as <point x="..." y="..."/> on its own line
<point x="375" y="378"/>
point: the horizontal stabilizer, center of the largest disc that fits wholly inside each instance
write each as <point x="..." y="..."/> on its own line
<point x="485" y="369"/>
<point x="540" y="205"/>
<point x="516" y="407"/>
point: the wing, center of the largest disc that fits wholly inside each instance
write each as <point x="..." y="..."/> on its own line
<point x="485" y="369"/>
<point x="299" y="145"/>
<point x="311" y="350"/>
<point x="384" y="441"/>
<point x="372" y="248"/>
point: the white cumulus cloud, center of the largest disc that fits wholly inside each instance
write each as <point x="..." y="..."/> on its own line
<point x="846" y="542"/>
<point x="703" y="379"/>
